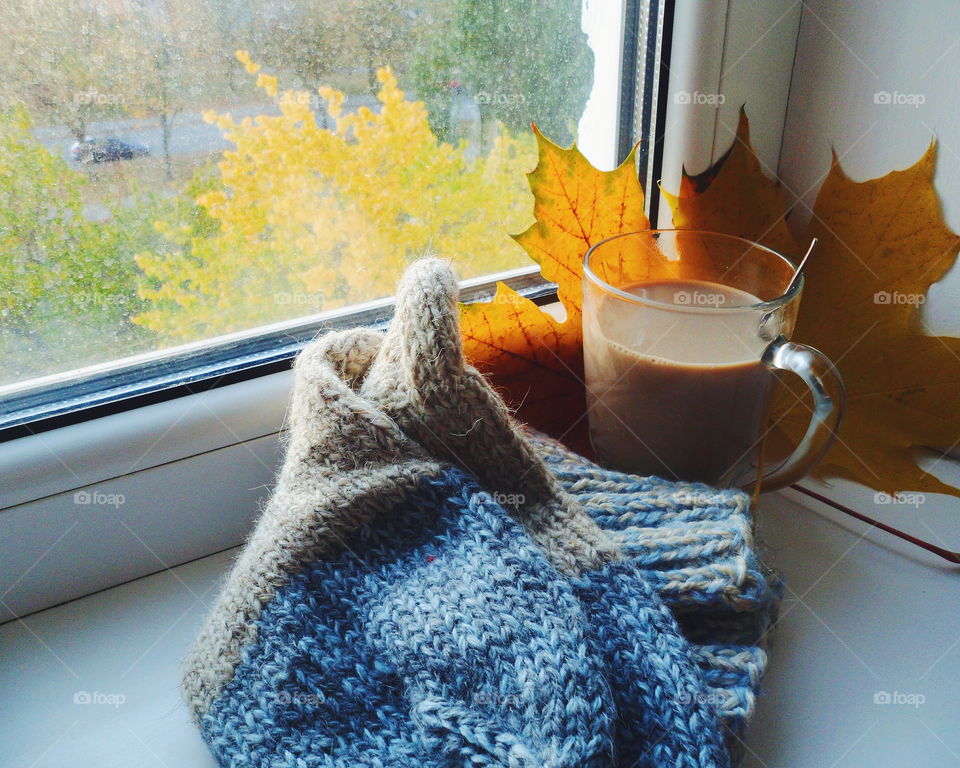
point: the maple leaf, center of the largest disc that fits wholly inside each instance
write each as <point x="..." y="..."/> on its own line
<point x="883" y="242"/>
<point x="534" y="359"/>
<point x="734" y="196"/>
<point x="575" y="207"/>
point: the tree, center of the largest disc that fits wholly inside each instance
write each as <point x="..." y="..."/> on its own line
<point x="521" y="62"/>
<point x="66" y="62"/>
<point x="310" y="40"/>
<point x="309" y="219"/>
<point x="174" y="42"/>
<point x="384" y="30"/>
<point x="67" y="285"/>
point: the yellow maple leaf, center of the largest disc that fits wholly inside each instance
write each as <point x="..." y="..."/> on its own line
<point x="576" y="206"/>
<point x="734" y="196"/>
<point x="532" y="358"/>
<point x="523" y="349"/>
<point x="883" y="242"/>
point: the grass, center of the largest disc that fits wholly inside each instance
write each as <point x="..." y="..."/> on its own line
<point x="115" y="182"/>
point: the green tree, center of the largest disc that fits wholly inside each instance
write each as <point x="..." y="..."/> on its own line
<point x="309" y="40"/>
<point x="520" y="61"/>
<point x="67" y="285"/>
<point x="65" y="63"/>
<point x="314" y="39"/>
<point x="174" y="59"/>
<point x="383" y="31"/>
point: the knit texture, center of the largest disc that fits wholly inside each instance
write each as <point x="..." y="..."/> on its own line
<point x="430" y="585"/>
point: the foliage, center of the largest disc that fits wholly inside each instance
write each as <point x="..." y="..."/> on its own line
<point x="308" y="218"/>
<point x="882" y="244"/>
<point x="66" y="284"/>
<point x="78" y="64"/>
<point x="309" y="41"/>
<point x="740" y="201"/>
<point x="535" y="360"/>
<point x="64" y="62"/>
<point x="519" y="61"/>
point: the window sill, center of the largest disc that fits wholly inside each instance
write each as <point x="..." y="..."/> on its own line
<point x="848" y="630"/>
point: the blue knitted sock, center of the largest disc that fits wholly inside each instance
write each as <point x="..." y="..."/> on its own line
<point x="439" y="635"/>
<point x="664" y="715"/>
<point x="387" y="611"/>
<point x="694" y="546"/>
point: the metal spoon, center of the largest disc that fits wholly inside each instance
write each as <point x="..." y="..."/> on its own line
<point x="803" y="261"/>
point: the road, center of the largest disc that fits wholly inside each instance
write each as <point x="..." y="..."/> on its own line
<point x="191" y="135"/>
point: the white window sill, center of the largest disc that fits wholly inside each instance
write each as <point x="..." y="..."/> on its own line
<point x="863" y="613"/>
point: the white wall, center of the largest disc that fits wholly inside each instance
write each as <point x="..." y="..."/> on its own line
<point x="807" y="73"/>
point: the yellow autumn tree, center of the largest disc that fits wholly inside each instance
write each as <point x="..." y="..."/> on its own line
<point x="307" y="217"/>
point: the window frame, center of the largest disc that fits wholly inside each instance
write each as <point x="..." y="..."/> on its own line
<point x="59" y="400"/>
<point x="42" y="404"/>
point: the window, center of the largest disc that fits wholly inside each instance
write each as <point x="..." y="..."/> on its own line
<point x="179" y="416"/>
<point x="194" y="186"/>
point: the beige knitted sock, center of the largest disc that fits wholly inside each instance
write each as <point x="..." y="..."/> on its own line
<point x="346" y="462"/>
<point x="421" y="380"/>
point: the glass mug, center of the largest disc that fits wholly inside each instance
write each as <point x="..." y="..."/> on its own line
<point x="684" y="333"/>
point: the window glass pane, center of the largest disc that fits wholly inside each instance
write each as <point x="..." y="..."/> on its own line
<point x="174" y="170"/>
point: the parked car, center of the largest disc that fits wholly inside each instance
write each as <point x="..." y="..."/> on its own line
<point x="107" y="150"/>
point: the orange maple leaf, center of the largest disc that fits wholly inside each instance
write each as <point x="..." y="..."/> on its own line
<point x="883" y="242"/>
<point x="535" y="359"/>
<point x="734" y="196"/>
<point x="575" y="207"/>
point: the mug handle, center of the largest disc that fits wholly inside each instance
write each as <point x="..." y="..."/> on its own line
<point x="829" y="399"/>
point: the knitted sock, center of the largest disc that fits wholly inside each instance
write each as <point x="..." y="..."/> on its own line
<point x="422" y="381"/>
<point x="341" y="449"/>
<point x="386" y="610"/>
<point x="695" y="546"/>
<point x="693" y="542"/>
<point x="664" y="714"/>
<point x="436" y="634"/>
